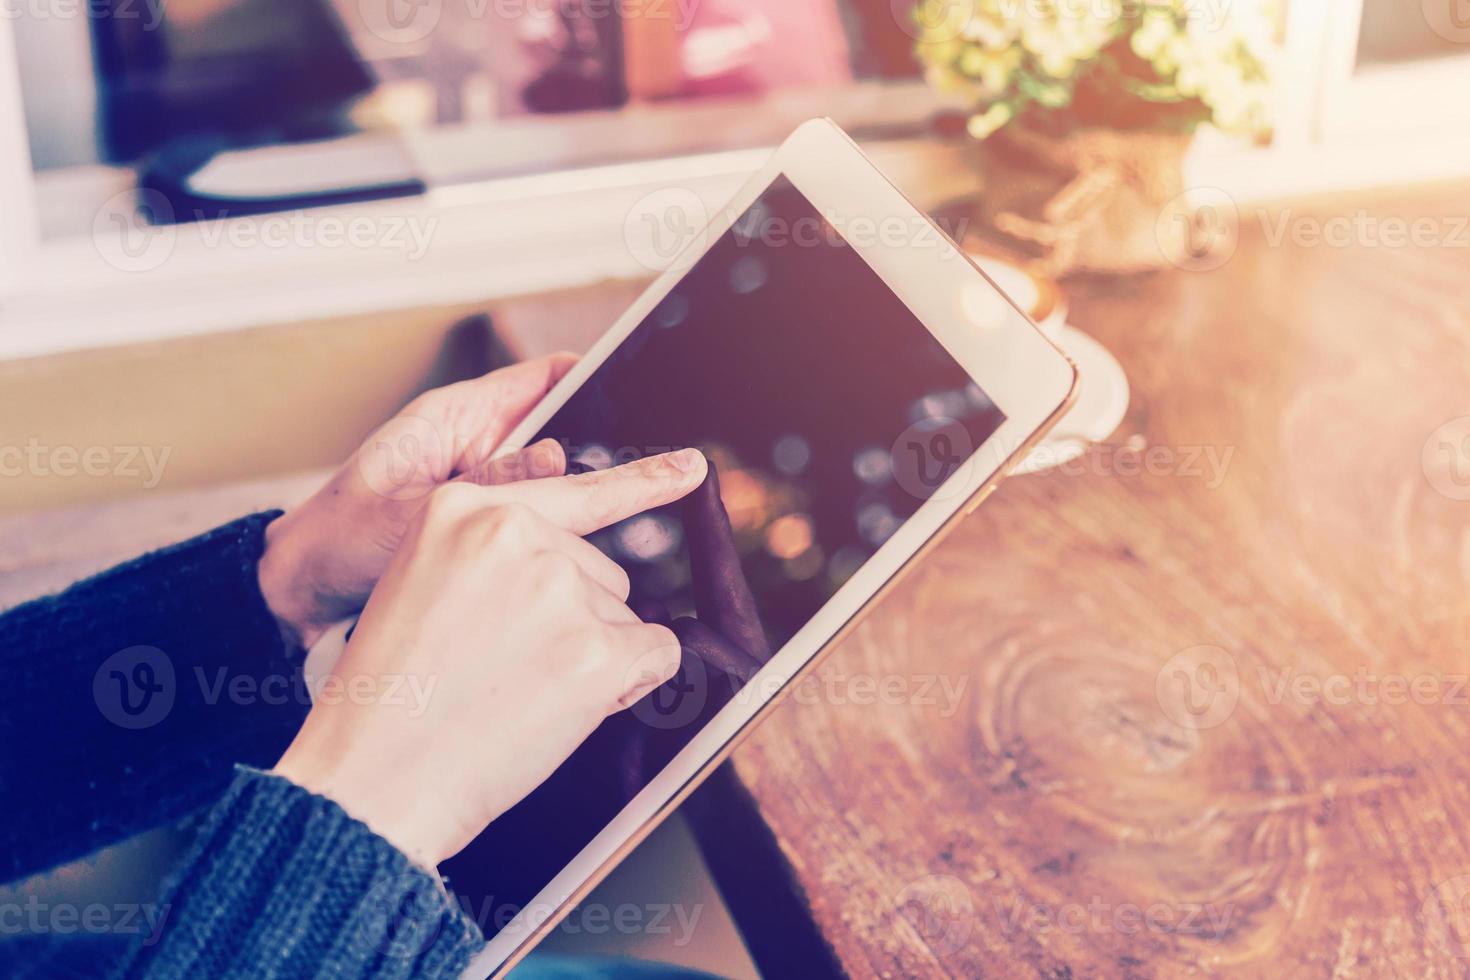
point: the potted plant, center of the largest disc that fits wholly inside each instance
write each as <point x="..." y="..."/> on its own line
<point x="1085" y="109"/>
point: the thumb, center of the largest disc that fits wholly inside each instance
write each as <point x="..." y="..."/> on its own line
<point x="591" y="501"/>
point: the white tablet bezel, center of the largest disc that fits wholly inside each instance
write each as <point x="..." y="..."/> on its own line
<point x="1022" y="372"/>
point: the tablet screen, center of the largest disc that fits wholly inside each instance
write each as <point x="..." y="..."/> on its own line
<point x="829" y="414"/>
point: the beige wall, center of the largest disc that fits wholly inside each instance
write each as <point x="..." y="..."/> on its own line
<point x="202" y="410"/>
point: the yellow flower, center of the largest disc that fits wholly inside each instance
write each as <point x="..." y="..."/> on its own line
<point x="1152" y="34"/>
<point x="982" y="125"/>
<point x="993" y="69"/>
<point x="1005" y="54"/>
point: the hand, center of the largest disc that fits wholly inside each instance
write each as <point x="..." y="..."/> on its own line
<point x="323" y="558"/>
<point x="524" y="632"/>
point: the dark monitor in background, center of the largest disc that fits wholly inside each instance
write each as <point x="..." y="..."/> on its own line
<point x="185" y="83"/>
<point x="227" y="73"/>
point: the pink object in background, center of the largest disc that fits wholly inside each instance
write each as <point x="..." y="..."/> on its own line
<point x="740" y="47"/>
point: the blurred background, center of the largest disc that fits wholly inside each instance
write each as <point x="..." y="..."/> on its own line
<point x="235" y="235"/>
<point x="385" y="169"/>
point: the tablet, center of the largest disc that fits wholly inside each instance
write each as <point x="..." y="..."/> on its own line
<point x="857" y="385"/>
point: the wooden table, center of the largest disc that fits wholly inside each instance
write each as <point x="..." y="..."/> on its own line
<point x="1215" y="719"/>
<point x="1196" y="705"/>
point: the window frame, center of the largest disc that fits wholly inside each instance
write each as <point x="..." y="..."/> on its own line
<point x="1382" y="99"/>
<point x="51" y="289"/>
<point x="19" y="230"/>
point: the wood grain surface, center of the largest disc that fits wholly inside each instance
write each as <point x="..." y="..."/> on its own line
<point x="1195" y="705"/>
<point x="1213" y="715"/>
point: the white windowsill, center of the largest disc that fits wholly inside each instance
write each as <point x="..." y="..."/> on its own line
<point x="508" y="237"/>
<point x="523" y="235"/>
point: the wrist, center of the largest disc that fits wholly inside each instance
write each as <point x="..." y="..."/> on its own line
<point x="392" y="813"/>
<point x="286" y="587"/>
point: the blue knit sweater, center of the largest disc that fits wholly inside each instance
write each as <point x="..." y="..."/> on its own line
<point x="142" y="695"/>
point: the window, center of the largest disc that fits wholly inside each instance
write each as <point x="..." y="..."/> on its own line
<point x="330" y="99"/>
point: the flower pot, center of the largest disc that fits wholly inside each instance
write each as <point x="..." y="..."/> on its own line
<point x="1096" y="200"/>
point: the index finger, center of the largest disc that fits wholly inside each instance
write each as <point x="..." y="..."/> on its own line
<point x="591" y="501"/>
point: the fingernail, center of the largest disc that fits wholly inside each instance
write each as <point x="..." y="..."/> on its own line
<point x="687" y="460"/>
<point x="545" y="458"/>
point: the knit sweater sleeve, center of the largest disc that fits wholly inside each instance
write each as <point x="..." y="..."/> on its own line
<point x="129" y="697"/>
<point x="283" y="883"/>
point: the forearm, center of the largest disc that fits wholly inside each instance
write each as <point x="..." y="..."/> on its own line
<point x="283" y="883"/>
<point x="130" y="696"/>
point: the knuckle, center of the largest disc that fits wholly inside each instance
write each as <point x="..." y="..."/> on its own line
<point x="600" y="645"/>
<point x="509" y="521"/>
<point x="650" y="470"/>
<point x="593" y="661"/>
<point x="661" y="469"/>
<point x="557" y="572"/>
<point x="419" y="405"/>
<point x="661" y="637"/>
<point x="663" y="667"/>
<point x="622" y="584"/>
<point x="667" y="650"/>
<point x="447" y="503"/>
<point x="656" y="663"/>
<point x="586" y="489"/>
<point x="429" y="405"/>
